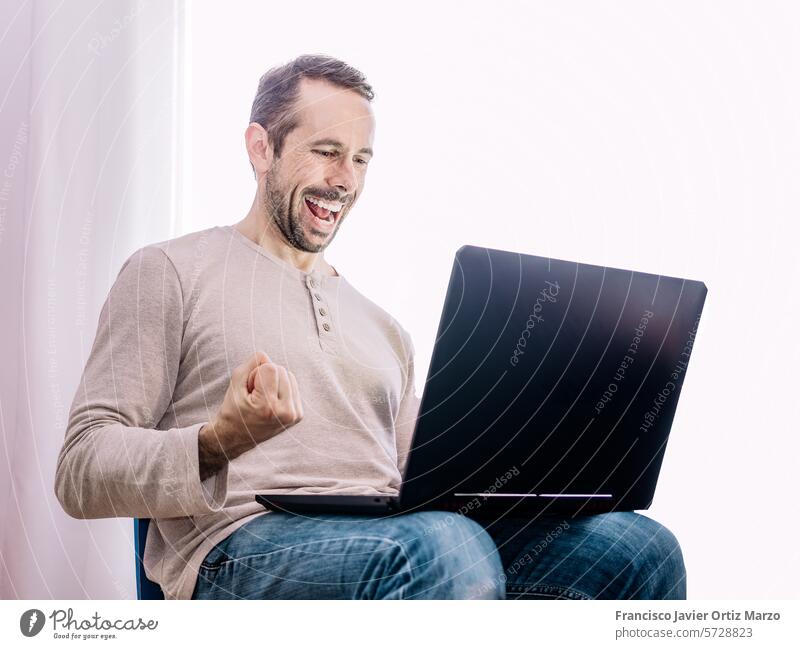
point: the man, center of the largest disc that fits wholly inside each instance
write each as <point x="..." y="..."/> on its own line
<point x="237" y="360"/>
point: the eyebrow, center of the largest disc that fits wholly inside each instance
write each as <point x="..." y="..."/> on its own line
<point x="336" y="143"/>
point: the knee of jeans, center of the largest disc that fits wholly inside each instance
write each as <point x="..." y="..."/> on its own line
<point x="656" y="559"/>
<point x="458" y="555"/>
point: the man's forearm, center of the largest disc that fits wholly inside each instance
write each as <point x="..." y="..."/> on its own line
<point x="213" y="453"/>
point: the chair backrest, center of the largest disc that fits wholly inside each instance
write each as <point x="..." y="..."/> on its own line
<point x="145" y="589"/>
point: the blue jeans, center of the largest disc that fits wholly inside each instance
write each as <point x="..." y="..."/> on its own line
<point x="443" y="555"/>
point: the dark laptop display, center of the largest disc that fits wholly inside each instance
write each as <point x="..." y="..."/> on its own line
<point x="552" y="386"/>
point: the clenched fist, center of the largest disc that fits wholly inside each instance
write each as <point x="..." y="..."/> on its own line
<point x="262" y="400"/>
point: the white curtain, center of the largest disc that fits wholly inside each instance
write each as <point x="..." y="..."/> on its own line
<point x="90" y="116"/>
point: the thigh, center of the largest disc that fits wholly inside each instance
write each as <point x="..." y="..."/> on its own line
<point x="617" y="555"/>
<point x="286" y="556"/>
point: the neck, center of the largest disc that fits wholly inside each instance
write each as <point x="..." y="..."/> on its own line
<point x="257" y="227"/>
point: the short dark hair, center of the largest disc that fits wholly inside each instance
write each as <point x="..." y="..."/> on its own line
<point x="278" y="91"/>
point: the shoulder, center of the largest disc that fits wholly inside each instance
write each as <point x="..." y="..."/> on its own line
<point x="166" y="266"/>
<point x="189" y="249"/>
<point x="173" y="259"/>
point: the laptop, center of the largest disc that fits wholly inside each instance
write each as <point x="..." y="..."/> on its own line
<point x="552" y="387"/>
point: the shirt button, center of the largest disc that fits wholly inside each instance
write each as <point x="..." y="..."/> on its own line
<point x="322" y="311"/>
<point x="312" y="282"/>
<point x="318" y="297"/>
<point x="326" y="326"/>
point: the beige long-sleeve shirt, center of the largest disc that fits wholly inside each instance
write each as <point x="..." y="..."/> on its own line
<point x="180" y="316"/>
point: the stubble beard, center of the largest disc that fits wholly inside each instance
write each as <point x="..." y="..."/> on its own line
<point x="278" y="208"/>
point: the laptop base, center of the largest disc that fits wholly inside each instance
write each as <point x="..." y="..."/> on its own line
<point x="495" y="505"/>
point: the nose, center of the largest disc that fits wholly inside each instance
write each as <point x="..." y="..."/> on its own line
<point x="342" y="175"/>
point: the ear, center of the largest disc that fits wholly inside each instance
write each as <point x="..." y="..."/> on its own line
<point x="259" y="148"/>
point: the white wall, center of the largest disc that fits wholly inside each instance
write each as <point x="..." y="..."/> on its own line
<point x="86" y="158"/>
<point x="657" y="136"/>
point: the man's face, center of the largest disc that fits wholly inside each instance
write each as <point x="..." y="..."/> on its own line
<point x="325" y="160"/>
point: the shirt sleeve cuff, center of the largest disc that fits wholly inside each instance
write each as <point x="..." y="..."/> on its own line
<point x="206" y="496"/>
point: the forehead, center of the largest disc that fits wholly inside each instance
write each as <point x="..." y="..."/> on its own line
<point x="325" y="109"/>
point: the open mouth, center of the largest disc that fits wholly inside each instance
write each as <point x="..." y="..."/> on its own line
<point x="324" y="213"/>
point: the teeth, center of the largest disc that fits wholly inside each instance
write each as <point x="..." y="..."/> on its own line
<point x="333" y="207"/>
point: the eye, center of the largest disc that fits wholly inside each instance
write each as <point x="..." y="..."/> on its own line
<point x="325" y="153"/>
<point x="362" y="161"/>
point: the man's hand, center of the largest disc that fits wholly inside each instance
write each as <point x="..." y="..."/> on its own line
<point x="261" y="401"/>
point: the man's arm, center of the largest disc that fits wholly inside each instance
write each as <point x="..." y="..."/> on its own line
<point x="217" y="447"/>
<point x="262" y="400"/>
<point x="113" y="462"/>
<point x="408" y="411"/>
<point x="212" y="457"/>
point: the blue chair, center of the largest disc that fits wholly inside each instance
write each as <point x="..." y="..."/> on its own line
<point x="145" y="589"/>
